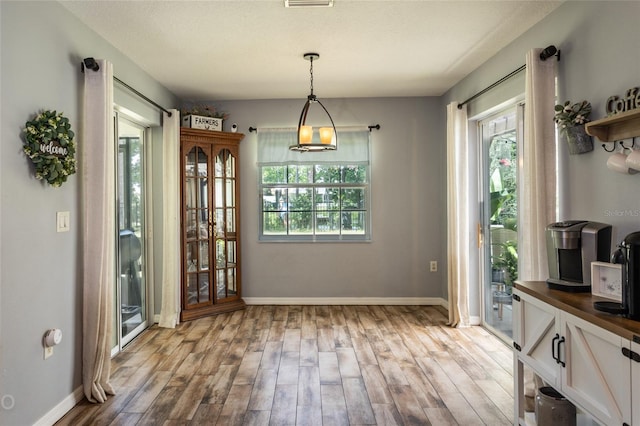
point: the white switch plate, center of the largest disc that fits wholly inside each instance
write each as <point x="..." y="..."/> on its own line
<point x="48" y="351"/>
<point x="62" y="222"/>
<point x="433" y="266"/>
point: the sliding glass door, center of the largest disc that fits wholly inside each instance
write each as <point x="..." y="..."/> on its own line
<point x="500" y="134"/>
<point x="131" y="289"/>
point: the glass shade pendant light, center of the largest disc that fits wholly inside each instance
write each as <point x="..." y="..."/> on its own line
<point x="327" y="137"/>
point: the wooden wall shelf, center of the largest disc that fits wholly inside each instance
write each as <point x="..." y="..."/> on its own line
<point x="621" y="126"/>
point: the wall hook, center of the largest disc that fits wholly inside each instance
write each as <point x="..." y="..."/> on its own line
<point x="633" y="143"/>
<point x="613" y="148"/>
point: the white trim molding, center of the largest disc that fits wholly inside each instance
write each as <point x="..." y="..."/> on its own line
<point x="475" y="320"/>
<point x="429" y="301"/>
<point x="57" y="412"/>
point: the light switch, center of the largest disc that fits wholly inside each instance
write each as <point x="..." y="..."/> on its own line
<point x="62" y="222"/>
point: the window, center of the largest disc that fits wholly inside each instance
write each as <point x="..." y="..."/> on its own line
<point x="321" y="196"/>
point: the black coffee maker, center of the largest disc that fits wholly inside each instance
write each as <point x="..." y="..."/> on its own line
<point x="628" y="255"/>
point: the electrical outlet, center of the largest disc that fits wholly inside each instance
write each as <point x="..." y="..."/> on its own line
<point x="433" y="266"/>
<point x="48" y="351"/>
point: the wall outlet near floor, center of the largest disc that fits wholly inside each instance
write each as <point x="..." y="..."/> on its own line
<point x="48" y="351"/>
<point x="433" y="266"/>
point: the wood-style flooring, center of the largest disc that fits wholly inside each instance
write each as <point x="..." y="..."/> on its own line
<point x="310" y="365"/>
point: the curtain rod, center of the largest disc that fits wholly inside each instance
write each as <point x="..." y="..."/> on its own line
<point x="544" y="55"/>
<point x="93" y="65"/>
<point x="497" y="83"/>
<point x="142" y="96"/>
<point x="374" y="126"/>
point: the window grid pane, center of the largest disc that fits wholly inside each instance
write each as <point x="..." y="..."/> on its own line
<point x="307" y="201"/>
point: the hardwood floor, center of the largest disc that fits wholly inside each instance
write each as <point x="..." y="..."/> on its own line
<point x="310" y="365"/>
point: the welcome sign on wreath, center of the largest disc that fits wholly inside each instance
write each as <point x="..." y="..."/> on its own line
<point x="49" y="144"/>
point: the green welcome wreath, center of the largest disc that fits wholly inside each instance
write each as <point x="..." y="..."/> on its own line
<point x="49" y="144"/>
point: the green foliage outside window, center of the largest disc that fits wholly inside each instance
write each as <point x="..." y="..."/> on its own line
<point x="313" y="199"/>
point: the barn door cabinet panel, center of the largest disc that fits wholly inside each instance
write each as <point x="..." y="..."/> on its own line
<point x="535" y="326"/>
<point x="590" y="365"/>
<point x="209" y="223"/>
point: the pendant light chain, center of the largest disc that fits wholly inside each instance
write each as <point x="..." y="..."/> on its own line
<point x="311" y="73"/>
<point x="327" y="136"/>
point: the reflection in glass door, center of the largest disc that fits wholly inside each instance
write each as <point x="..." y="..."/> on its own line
<point x="225" y="225"/>
<point x="131" y="300"/>
<point x="198" y="226"/>
<point x="210" y="217"/>
<point x="500" y="134"/>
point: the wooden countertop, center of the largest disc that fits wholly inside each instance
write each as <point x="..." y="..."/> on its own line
<point x="581" y="305"/>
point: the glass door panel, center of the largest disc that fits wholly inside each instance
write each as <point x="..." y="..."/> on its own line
<point x="231" y="222"/>
<point x="225" y="201"/>
<point x="230" y="191"/>
<point x="197" y="227"/>
<point x="500" y="135"/>
<point x="131" y="300"/>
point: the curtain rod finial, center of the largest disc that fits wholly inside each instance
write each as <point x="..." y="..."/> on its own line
<point x="548" y="52"/>
<point x="91" y="64"/>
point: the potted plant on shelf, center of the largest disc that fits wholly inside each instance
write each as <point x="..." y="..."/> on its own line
<point x="571" y="119"/>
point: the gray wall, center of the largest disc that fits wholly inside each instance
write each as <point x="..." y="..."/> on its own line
<point x="600" y="57"/>
<point x="40" y="288"/>
<point x="407" y="203"/>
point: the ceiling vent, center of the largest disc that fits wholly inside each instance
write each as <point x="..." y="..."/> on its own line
<point x="308" y="3"/>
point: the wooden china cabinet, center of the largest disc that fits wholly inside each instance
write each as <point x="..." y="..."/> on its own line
<point x="210" y="228"/>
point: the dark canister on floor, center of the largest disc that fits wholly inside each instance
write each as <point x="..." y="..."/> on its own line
<point x="553" y="409"/>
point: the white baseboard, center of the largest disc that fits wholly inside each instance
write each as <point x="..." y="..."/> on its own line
<point x="475" y="320"/>
<point x="438" y="301"/>
<point x="57" y="412"/>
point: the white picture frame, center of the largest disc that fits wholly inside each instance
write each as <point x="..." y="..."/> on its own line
<point x="606" y="280"/>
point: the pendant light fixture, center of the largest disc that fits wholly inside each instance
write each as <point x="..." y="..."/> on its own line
<point x="327" y="137"/>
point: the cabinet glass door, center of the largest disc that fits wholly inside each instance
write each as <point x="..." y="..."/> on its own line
<point x="197" y="228"/>
<point x="226" y="267"/>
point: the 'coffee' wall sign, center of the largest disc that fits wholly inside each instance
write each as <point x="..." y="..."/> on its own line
<point x="631" y="101"/>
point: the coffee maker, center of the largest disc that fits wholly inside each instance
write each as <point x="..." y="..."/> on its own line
<point x="571" y="247"/>
<point x="628" y="255"/>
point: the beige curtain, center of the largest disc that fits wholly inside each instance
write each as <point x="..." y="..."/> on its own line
<point x="99" y="231"/>
<point x="538" y="195"/>
<point x="170" y="220"/>
<point x="458" y="228"/>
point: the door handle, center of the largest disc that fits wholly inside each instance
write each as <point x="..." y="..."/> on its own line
<point x="553" y="348"/>
<point x="560" y="342"/>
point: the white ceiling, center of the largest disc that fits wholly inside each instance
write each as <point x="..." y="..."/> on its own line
<point x="252" y="49"/>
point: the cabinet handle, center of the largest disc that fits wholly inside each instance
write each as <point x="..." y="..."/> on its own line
<point x="561" y="341"/>
<point x="631" y="354"/>
<point x="553" y="348"/>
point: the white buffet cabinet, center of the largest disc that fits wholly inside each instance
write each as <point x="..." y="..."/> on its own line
<point x="592" y="358"/>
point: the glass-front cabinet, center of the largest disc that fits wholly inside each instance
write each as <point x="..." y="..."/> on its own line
<point x="210" y="225"/>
